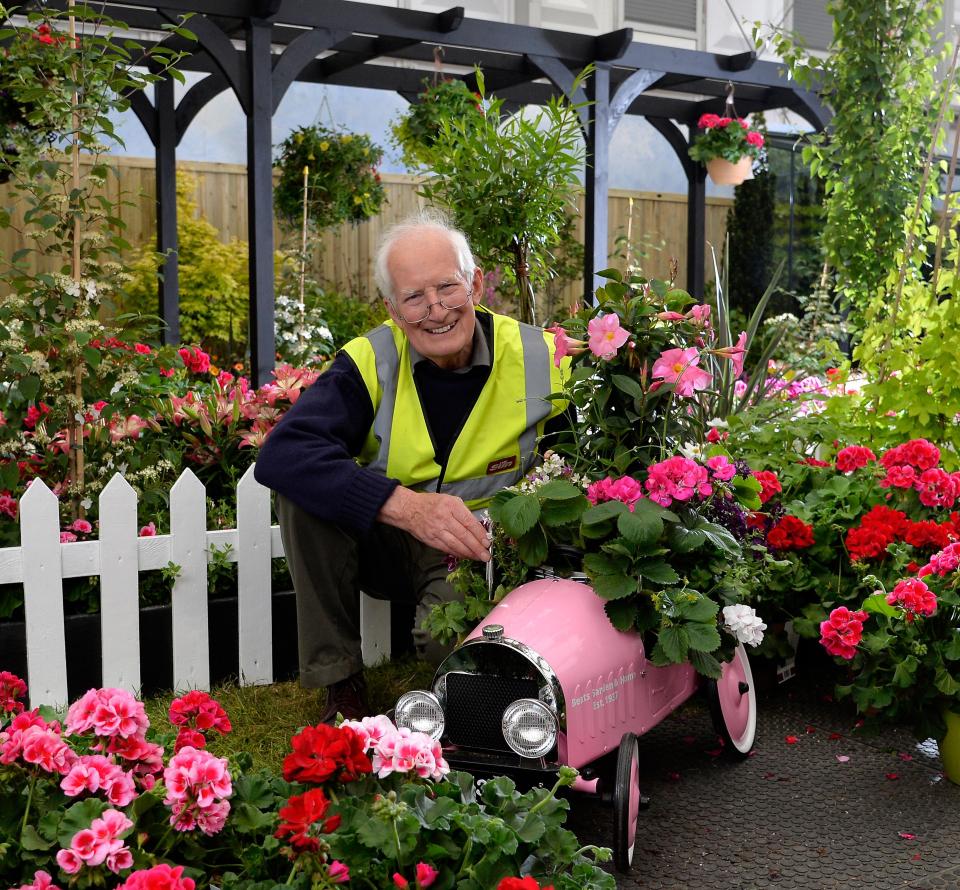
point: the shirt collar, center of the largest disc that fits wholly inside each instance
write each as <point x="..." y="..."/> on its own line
<point x="480" y="349"/>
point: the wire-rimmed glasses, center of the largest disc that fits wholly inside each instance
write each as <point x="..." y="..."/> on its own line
<point x="415" y="307"/>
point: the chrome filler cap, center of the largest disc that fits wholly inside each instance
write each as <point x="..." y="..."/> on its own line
<point x="493" y="632"/>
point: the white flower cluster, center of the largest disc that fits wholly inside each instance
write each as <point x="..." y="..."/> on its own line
<point x="744" y="623"/>
<point x="301" y="333"/>
<point x="553" y="467"/>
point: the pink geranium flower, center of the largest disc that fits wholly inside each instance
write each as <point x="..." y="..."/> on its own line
<point x="679" y="367"/>
<point x="914" y="597"/>
<point x="606" y="335"/>
<point x="842" y="631"/>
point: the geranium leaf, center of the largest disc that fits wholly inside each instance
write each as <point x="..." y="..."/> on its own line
<point x="559" y="490"/>
<point x="600" y="564"/>
<point x="30" y="839"/>
<point x="248" y="819"/>
<point x="877" y="603"/>
<point x="951" y="652"/>
<point x="254" y="789"/>
<point x="905" y="671"/>
<point x="79" y="816"/>
<point x="703" y="637"/>
<point x="621" y="612"/>
<point x="519" y="515"/>
<point x="945" y="683"/>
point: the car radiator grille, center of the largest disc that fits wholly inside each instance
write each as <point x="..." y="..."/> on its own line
<point x="475" y="705"/>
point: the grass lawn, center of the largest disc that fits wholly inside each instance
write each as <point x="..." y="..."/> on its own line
<point x="265" y="717"/>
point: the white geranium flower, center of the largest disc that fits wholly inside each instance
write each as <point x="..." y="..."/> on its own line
<point x="744" y="623"/>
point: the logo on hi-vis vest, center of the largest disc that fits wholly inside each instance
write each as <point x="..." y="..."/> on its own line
<point x="503" y="463"/>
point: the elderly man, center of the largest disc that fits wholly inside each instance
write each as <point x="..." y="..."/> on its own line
<point x="380" y="464"/>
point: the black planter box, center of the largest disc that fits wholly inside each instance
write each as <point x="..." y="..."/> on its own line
<point x="82" y="635"/>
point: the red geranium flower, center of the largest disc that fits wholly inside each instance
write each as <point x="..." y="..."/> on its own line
<point x="527" y="883"/>
<point x="791" y="533"/>
<point x="853" y="458"/>
<point x="302" y="813"/>
<point x="868" y="542"/>
<point x="769" y="484"/>
<point x="322" y="752"/>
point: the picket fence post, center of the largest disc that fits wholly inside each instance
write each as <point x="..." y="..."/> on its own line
<point x="43" y="595"/>
<point x="119" y="586"/>
<point x="254" y="614"/>
<point x="188" y="551"/>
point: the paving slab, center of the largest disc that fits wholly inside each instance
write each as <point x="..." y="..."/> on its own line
<point x="820" y="804"/>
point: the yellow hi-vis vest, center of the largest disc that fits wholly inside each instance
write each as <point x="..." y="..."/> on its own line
<point x="497" y="444"/>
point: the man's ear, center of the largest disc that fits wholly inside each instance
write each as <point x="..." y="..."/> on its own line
<point x="391" y="310"/>
<point x="477" y="290"/>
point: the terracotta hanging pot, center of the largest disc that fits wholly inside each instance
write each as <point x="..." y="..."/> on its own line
<point x="723" y="172"/>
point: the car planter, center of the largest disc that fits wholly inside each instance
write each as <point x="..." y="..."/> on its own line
<point x="546" y="681"/>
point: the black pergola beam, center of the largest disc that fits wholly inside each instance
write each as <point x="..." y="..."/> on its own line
<point x="258" y="47"/>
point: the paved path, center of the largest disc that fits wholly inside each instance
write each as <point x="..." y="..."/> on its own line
<point x="834" y="809"/>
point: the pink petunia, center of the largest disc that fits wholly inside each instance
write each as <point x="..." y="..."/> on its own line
<point x="606" y="335"/>
<point x="679" y="367"/>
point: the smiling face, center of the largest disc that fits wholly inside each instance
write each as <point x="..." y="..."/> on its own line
<point x="424" y="268"/>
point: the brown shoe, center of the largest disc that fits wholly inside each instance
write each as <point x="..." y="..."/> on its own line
<point x="347" y="698"/>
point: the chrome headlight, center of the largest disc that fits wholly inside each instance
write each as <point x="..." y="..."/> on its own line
<point x="420" y="712"/>
<point x="529" y="727"/>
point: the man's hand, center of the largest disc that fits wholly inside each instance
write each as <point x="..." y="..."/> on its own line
<point x="441" y="521"/>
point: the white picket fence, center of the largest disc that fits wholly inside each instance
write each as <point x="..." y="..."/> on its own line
<point x="41" y="563"/>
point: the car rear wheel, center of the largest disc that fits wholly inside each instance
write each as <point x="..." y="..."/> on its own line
<point x="733" y="705"/>
<point x="626" y="802"/>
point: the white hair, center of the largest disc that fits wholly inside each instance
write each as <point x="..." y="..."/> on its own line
<point x="429" y="219"/>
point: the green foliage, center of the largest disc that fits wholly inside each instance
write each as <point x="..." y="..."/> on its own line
<point x="509" y="183"/>
<point x="907" y="355"/>
<point x="880" y="78"/>
<point x="213" y="277"/>
<point x="416" y="132"/>
<point x="343" y="183"/>
<point x="57" y="353"/>
<point x="345" y="316"/>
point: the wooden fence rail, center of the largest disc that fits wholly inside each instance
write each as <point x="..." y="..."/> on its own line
<point x="344" y="254"/>
<point x="41" y="562"/>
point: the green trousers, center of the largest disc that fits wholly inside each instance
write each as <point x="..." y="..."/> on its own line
<point x="330" y="565"/>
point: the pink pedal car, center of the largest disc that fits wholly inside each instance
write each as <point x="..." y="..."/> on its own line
<point x="546" y="681"/>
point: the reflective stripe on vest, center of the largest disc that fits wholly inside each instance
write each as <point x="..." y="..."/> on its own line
<point x="496" y="420"/>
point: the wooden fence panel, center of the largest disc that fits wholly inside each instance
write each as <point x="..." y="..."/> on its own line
<point x="188" y="550"/>
<point x="43" y="594"/>
<point x="343" y="256"/>
<point x="119" y="581"/>
<point x="254" y="617"/>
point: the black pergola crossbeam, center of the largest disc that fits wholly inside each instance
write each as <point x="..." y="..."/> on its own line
<point x="257" y="48"/>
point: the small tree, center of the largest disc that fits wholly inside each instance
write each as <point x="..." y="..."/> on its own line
<point x="510" y="183"/>
<point x="67" y="73"/>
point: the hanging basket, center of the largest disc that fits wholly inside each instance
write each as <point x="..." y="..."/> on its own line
<point x="723" y="172"/>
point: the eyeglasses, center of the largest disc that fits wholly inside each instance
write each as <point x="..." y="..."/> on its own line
<point x="415" y="308"/>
